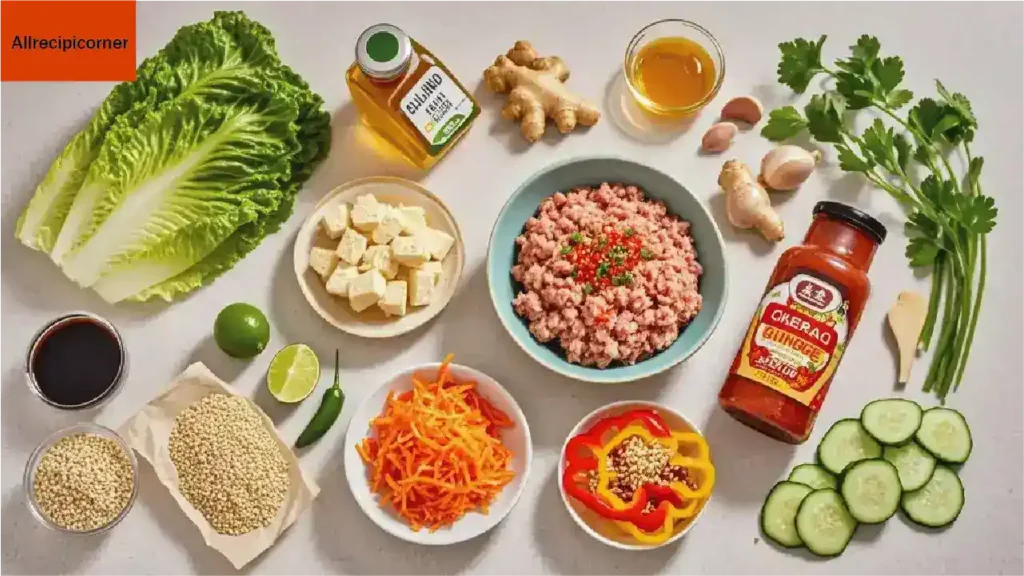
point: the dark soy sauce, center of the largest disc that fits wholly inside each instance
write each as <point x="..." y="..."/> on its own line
<point x="76" y="362"/>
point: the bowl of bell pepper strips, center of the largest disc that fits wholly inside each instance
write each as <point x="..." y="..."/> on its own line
<point x="636" y="475"/>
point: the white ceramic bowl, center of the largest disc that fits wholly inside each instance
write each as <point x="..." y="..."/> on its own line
<point x="372" y="323"/>
<point x="473" y="524"/>
<point x="589" y="521"/>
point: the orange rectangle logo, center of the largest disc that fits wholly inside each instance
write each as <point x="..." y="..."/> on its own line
<point x="67" y="40"/>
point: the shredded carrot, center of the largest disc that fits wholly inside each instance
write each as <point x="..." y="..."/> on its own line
<point x="435" y="452"/>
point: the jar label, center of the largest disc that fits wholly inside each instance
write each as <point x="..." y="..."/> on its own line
<point x="437" y="107"/>
<point x="797" y="338"/>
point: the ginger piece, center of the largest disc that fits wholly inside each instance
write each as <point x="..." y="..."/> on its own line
<point x="536" y="92"/>
<point x="747" y="203"/>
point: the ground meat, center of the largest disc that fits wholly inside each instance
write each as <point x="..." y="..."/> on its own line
<point x="629" y="320"/>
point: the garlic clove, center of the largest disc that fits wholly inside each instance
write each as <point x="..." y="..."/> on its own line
<point x="718" y="137"/>
<point x="745" y="108"/>
<point x="787" y="167"/>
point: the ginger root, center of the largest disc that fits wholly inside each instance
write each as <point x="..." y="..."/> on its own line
<point x="747" y="203"/>
<point x="536" y="92"/>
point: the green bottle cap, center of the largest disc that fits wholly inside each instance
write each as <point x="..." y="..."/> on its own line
<point x="383" y="51"/>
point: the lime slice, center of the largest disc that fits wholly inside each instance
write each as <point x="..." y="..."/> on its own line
<point x="293" y="373"/>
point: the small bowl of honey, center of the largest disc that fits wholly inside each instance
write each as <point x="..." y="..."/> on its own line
<point x="673" y="68"/>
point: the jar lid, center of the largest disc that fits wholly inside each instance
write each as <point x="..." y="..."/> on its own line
<point x="383" y="51"/>
<point x="853" y="216"/>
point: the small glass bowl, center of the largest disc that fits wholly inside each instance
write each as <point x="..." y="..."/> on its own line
<point x="55" y="324"/>
<point x="674" y="28"/>
<point x="28" y="482"/>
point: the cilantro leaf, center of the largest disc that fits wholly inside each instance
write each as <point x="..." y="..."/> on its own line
<point x="899" y="98"/>
<point x="783" y="124"/>
<point x="889" y="73"/>
<point x="877" y="143"/>
<point x="849" y="161"/>
<point x="958" y="102"/>
<point x="866" y="48"/>
<point x="856" y="88"/>
<point x="921" y="251"/>
<point x="925" y="116"/>
<point x="920" y="224"/>
<point x="903" y="151"/>
<point x="941" y="123"/>
<point x="823" y="119"/>
<point x="943" y="196"/>
<point x="801" y="61"/>
<point x="979" y="214"/>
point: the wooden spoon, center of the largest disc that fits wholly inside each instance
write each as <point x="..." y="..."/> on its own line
<point x="906" y="319"/>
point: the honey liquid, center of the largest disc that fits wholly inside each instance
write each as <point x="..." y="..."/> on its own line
<point x="673" y="72"/>
<point x="380" y="105"/>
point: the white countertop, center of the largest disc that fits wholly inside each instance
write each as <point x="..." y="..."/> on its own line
<point x="973" y="48"/>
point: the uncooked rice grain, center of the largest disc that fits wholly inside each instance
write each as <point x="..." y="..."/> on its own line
<point x="83" y="482"/>
<point x="230" y="467"/>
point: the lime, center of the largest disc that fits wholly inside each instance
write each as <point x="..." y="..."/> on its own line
<point x="293" y="373"/>
<point x="241" y="330"/>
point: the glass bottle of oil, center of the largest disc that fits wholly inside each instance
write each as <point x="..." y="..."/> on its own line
<point x="408" y="96"/>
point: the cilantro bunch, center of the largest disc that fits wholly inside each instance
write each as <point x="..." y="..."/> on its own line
<point x="948" y="216"/>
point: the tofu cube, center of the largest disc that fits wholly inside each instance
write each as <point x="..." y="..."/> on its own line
<point x="421" y="286"/>
<point x="335" y="220"/>
<point x="366" y="289"/>
<point x="436" y="269"/>
<point x="381" y="258"/>
<point x="367" y="213"/>
<point x="438" y="243"/>
<point x="389" y="228"/>
<point x="414" y="219"/>
<point x="393" y="301"/>
<point x="410" y="251"/>
<point x="323" y="260"/>
<point x="338" y="283"/>
<point x="352" y="246"/>
<point x="367" y="200"/>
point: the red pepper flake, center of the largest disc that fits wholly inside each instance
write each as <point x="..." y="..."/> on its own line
<point x="608" y="260"/>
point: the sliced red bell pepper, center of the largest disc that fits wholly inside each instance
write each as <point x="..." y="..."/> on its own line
<point x="581" y="459"/>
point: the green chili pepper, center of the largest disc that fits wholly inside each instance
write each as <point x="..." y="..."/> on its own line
<point x="326" y="414"/>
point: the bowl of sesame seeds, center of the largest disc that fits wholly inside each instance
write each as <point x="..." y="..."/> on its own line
<point x="81" y="480"/>
<point x="636" y="475"/>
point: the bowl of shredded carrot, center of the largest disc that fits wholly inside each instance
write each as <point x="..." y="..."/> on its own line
<point x="439" y="454"/>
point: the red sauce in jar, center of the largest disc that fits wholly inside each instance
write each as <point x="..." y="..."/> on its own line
<point x="804" y="323"/>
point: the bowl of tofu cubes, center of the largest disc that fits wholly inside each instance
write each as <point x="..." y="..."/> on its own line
<point x="379" y="257"/>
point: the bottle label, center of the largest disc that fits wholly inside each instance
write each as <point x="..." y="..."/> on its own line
<point x="437" y="107"/>
<point x="797" y="337"/>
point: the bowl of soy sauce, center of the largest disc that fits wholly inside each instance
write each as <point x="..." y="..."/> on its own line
<point x="76" y="361"/>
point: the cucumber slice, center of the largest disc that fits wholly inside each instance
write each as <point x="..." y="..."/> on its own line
<point x="938" y="503"/>
<point x="814" y="476"/>
<point x="824" y="523"/>
<point x="871" y="489"/>
<point x="892" y="420"/>
<point x="844" y="443"/>
<point x="914" y="464"/>
<point x="778" y="515"/>
<point x="945" y="434"/>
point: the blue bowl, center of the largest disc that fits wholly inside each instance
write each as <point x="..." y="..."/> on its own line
<point x="593" y="171"/>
